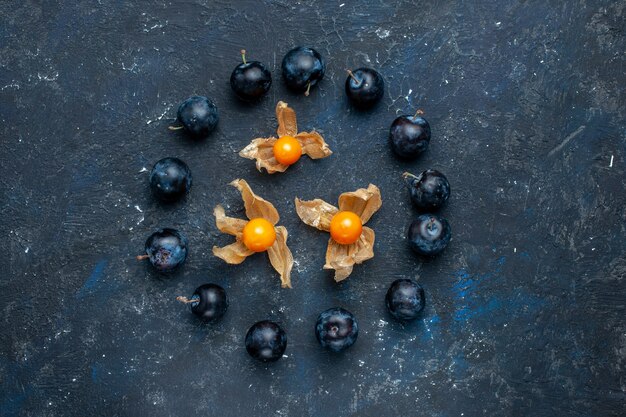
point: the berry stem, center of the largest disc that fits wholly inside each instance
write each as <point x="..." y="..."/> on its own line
<point x="351" y="74"/>
<point x="418" y="113"/>
<point x="185" y="300"/>
<point x="407" y="175"/>
<point x="308" y="89"/>
<point x="142" y="257"/>
<point x="243" y="56"/>
<point x="175" y="127"/>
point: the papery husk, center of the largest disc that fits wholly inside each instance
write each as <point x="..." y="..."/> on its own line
<point x="363" y="202"/>
<point x="229" y="225"/>
<point x="234" y="254"/>
<point x="313" y="145"/>
<point x="342" y="258"/>
<point x="316" y="213"/>
<point x="280" y="257"/>
<point x="287" y="121"/>
<point x="261" y="149"/>
<point x="256" y="207"/>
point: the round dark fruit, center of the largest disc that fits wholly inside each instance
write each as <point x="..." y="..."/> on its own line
<point x="405" y="299"/>
<point x="250" y="80"/>
<point x="336" y="329"/>
<point x="208" y="302"/>
<point x="166" y="249"/>
<point x="429" y="234"/>
<point x="170" y="179"/>
<point x="429" y="190"/>
<point x="364" y="87"/>
<point x="303" y="68"/>
<point x="409" y="136"/>
<point x="198" y="116"/>
<point x="266" y="341"/>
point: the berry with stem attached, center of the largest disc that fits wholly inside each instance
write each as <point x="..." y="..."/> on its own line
<point x="198" y="116"/>
<point x="166" y="249"/>
<point x="429" y="234"/>
<point x="250" y="80"/>
<point x="208" y="302"/>
<point x="409" y="136"/>
<point x="365" y="87"/>
<point x="302" y="68"/>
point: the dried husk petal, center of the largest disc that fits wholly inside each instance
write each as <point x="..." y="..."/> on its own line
<point x="313" y="145"/>
<point x="229" y="225"/>
<point x="287" y="122"/>
<point x="363" y="202"/>
<point x="262" y="150"/>
<point x="256" y="206"/>
<point x="342" y="258"/>
<point x="316" y="213"/>
<point x="280" y="257"/>
<point x="234" y="254"/>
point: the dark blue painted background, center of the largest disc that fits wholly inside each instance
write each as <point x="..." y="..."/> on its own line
<point x="525" y="309"/>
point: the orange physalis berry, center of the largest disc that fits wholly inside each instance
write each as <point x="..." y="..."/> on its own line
<point x="259" y="235"/>
<point x="346" y="227"/>
<point x="287" y="150"/>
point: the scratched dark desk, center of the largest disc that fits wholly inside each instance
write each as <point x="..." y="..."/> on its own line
<point x="526" y="308"/>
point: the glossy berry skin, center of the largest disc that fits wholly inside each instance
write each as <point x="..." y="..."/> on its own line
<point x="166" y="249"/>
<point x="198" y="115"/>
<point x="429" y="234"/>
<point x="430" y="190"/>
<point x="336" y="329"/>
<point x="287" y="150"/>
<point x="209" y="302"/>
<point x="405" y="299"/>
<point x="409" y="136"/>
<point x="266" y="341"/>
<point x="302" y="66"/>
<point x="258" y="235"/>
<point x="367" y="89"/>
<point x="170" y="179"/>
<point x="345" y="227"/>
<point x="250" y="81"/>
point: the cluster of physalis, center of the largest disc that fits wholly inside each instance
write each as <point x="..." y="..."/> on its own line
<point x="351" y="243"/>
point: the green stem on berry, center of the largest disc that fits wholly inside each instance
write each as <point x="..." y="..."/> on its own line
<point x="175" y="127"/>
<point x="407" y="175"/>
<point x="185" y="300"/>
<point x="142" y="257"/>
<point x="353" y="77"/>
<point x="308" y="89"/>
<point x="243" y="56"/>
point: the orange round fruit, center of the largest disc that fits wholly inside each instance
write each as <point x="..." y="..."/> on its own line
<point x="287" y="150"/>
<point x="346" y="227"/>
<point x="258" y="235"/>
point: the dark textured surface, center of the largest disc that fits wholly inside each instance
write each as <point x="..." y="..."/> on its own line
<point x="525" y="309"/>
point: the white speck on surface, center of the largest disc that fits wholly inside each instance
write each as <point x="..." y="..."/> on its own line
<point x="514" y="250"/>
<point x="498" y="24"/>
<point x="382" y="33"/>
<point x="143" y="169"/>
<point x="161" y="116"/>
<point x="139" y="209"/>
<point x="43" y="77"/>
<point x="611" y="163"/>
<point x="342" y="4"/>
<point x="26" y="250"/>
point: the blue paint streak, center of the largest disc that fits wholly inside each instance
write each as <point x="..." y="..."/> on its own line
<point x="96" y="369"/>
<point x="93" y="279"/>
